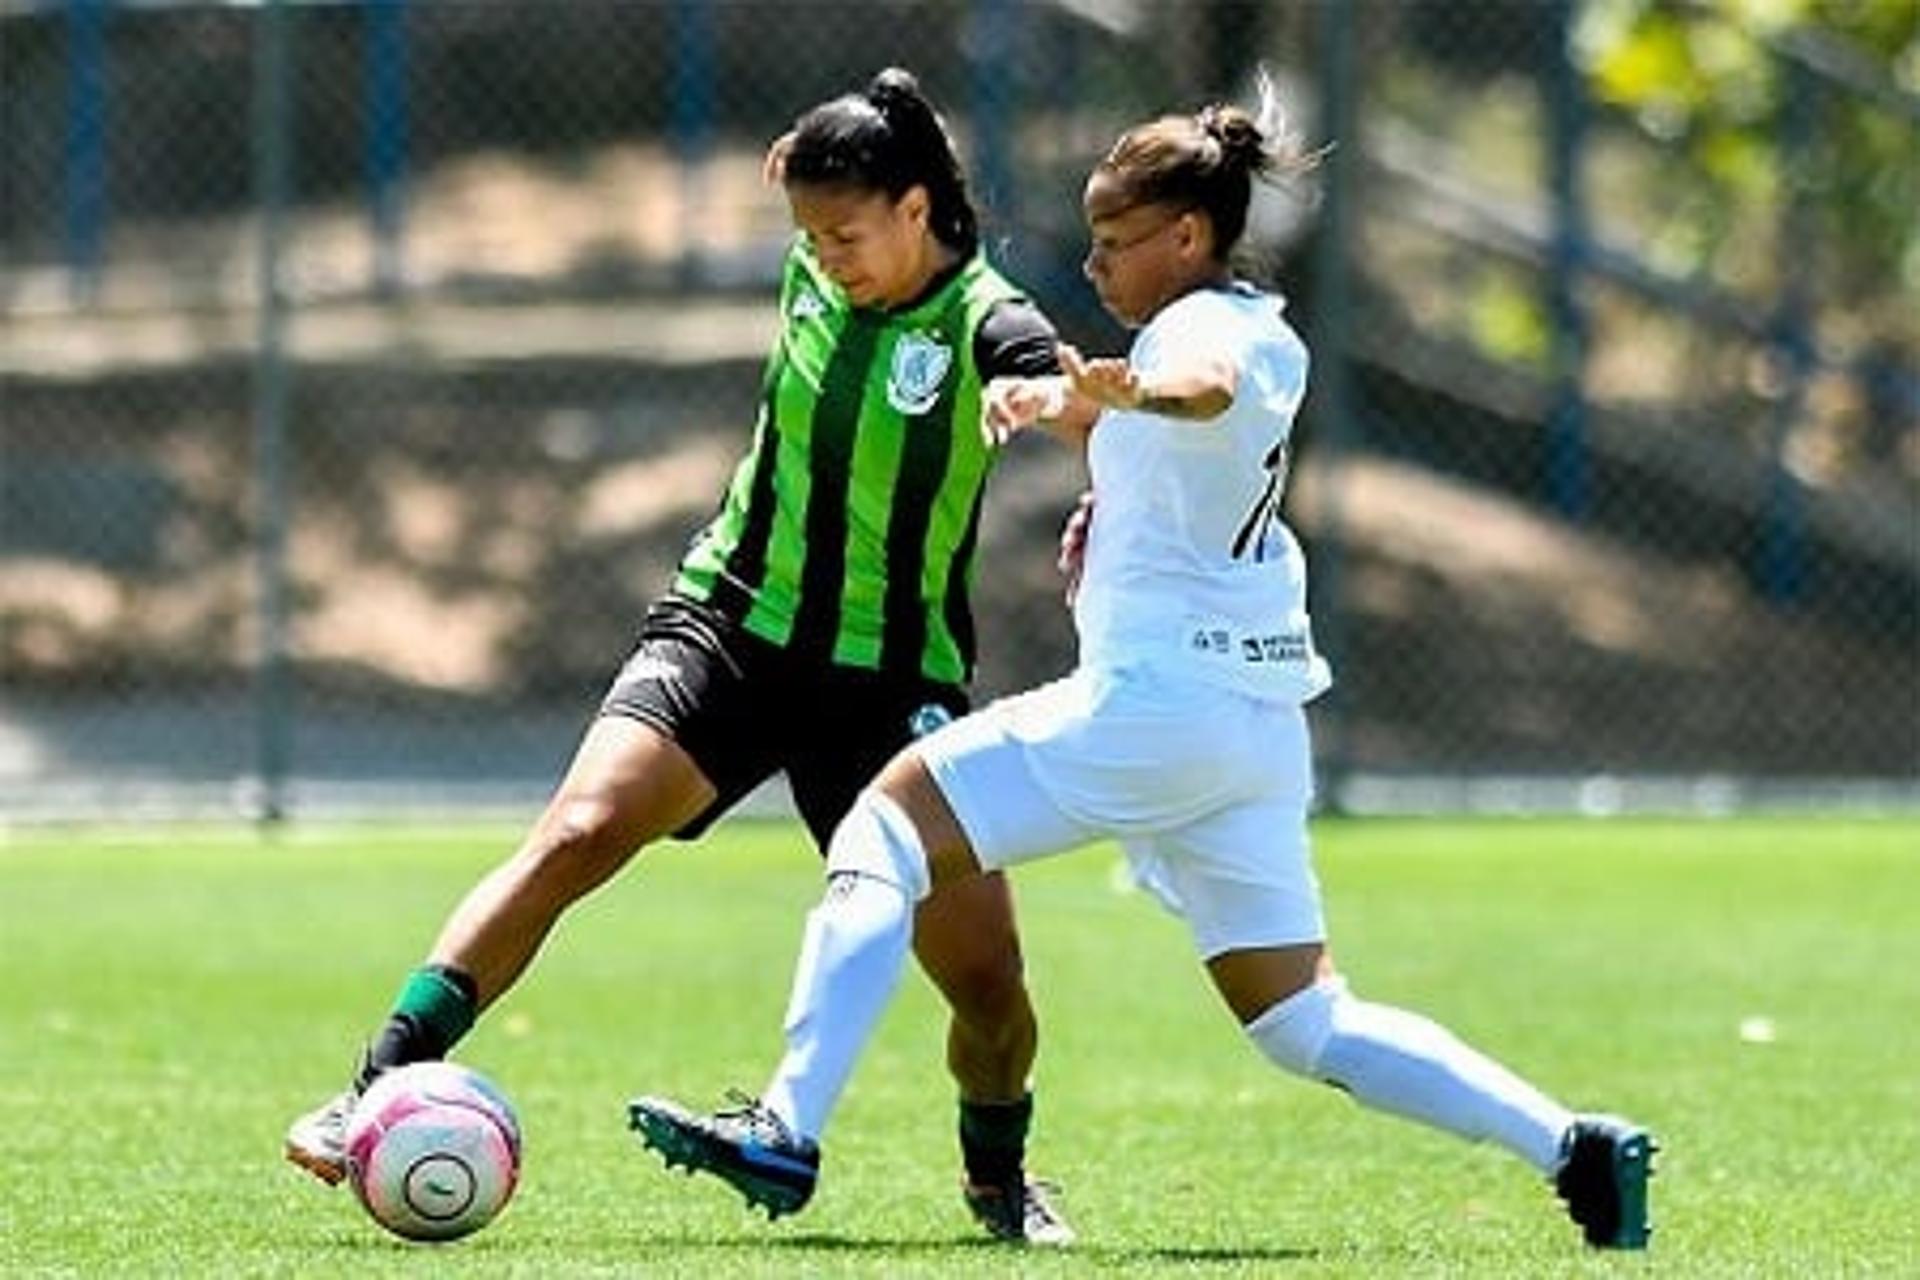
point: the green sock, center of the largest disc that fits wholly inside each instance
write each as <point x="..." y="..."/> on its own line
<point x="435" y="1008"/>
<point x="442" y="1000"/>
<point x="993" y="1140"/>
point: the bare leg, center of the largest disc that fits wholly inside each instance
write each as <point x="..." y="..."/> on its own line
<point x="964" y="938"/>
<point x="1253" y="981"/>
<point x="898" y="847"/>
<point x="950" y="858"/>
<point x="628" y="784"/>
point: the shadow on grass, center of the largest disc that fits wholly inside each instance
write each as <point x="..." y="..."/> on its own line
<point x="969" y="1245"/>
<point x="1214" y="1253"/>
<point x="373" y="1243"/>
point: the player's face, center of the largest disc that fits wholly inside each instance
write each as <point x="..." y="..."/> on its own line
<point x="875" y="247"/>
<point x="1141" y="256"/>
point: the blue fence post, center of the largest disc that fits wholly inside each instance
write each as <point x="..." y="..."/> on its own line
<point x="86" y="146"/>
<point x="1568" y="468"/>
<point x="1781" y="554"/>
<point x="992" y="48"/>
<point x="387" y="136"/>
<point x="691" y="128"/>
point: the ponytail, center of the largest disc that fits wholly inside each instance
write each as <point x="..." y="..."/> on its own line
<point x="886" y="138"/>
<point x="911" y="116"/>
<point x="1208" y="160"/>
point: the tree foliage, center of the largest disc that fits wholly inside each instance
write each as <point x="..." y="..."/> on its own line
<point x="1800" y="117"/>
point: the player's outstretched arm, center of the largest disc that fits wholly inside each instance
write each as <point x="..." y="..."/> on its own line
<point x="1014" y="404"/>
<point x="1196" y="391"/>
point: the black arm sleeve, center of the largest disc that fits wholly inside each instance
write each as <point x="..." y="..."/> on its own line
<point x="1015" y="341"/>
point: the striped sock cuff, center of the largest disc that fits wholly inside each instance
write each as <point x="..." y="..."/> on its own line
<point x="441" y="1001"/>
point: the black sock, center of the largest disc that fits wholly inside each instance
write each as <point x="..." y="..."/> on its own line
<point x="993" y="1140"/>
<point x="435" y="1008"/>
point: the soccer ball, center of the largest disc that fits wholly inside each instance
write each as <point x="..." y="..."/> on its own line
<point x="433" y="1151"/>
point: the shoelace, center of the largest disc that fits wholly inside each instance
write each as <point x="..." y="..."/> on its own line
<point x="748" y="1112"/>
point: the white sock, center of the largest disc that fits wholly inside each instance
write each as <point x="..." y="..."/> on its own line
<point x="1402" y="1063"/>
<point x="851" y="958"/>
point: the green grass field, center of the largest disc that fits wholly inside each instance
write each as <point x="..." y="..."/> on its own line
<point x="168" y="999"/>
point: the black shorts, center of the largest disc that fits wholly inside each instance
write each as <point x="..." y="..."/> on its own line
<point x="745" y="709"/>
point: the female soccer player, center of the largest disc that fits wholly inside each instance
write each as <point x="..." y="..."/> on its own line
<point x="1180" y="732"/>
<point x="815" y="626"/>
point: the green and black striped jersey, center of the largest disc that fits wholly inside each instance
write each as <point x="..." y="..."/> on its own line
<point x="848" y="531"/>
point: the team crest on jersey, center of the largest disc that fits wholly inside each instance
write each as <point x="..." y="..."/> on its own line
<point x="807" y="305"/>
<point x="928" y="719"/>
<point x="920" y="364"/>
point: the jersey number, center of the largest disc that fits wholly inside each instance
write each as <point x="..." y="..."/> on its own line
<point x="1266" y="510"/>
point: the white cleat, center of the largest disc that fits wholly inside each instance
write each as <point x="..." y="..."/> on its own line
<point x="317" y="1141"/>
<point x="1029" y="1215"/>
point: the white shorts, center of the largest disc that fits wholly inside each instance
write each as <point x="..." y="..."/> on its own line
<point x="1206" y="789"/>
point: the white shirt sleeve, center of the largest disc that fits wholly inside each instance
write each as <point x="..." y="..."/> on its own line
<point x="1185" y="333"/>
<point x="1269" y="363"/>
<point x="1274" y="373"/>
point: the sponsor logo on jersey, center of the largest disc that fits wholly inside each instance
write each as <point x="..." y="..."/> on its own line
<point x="648" y="666"/>
<point x="1211" y="640"/>
<point x="920" y="364"/>
<point x="1274" y="648"/>
<point x="1271" y="647"/>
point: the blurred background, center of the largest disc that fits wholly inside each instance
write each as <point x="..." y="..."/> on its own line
<point x="365" y="366"/>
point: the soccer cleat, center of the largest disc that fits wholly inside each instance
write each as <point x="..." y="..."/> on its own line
<point x="1023" y="1213"/>
<point x="1604" y="1181"/>
<point x="749" y="1148"/>
<point x="317" y="1141"/>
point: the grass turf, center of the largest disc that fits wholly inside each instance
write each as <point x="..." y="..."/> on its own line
<point x="169" y="999"/>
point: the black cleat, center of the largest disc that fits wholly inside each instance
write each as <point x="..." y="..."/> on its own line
<point x="1021" y="1213"/>
<point x="750" y="1148"/>
<point x="1604" y="1181"/>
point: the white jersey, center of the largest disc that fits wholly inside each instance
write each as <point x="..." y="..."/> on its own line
<point x="1188" y="566"/>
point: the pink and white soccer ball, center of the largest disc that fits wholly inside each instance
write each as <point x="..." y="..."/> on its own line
<point x="433" y="1150"/>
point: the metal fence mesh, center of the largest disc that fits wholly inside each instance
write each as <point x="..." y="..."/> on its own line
<point x="1610" y="466"/>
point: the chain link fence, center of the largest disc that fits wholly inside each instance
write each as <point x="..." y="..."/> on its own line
<point x="364" y="368"/>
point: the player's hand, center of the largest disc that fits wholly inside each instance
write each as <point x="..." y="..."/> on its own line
<point x="1013" y="404"/>
<point x="1073" y="543"/>
<point x="1108" y="381"/>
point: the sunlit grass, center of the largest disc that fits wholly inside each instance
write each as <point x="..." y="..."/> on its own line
<point x="169" y="999"/>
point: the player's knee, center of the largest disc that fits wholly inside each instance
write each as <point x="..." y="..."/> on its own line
<point x="985" y="986"/>
<point x="577" y="847"/>
<point x="877" y="839"/>
<point x="1294" y="1032"/>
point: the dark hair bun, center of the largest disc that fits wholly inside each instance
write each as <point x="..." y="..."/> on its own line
<point x="893" y="88"/>
<point x="1240" y="139"/>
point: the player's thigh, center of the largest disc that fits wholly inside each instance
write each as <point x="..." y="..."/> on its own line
<point x="1253" y="979"/>
<point x="1139" y="750"/>
<point x="628" y="784"/>
<point x="850" y="723"/>
<point x="1242" y="879"/>
<point x="986" y="774"/>
<point x="710" y="692"/>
